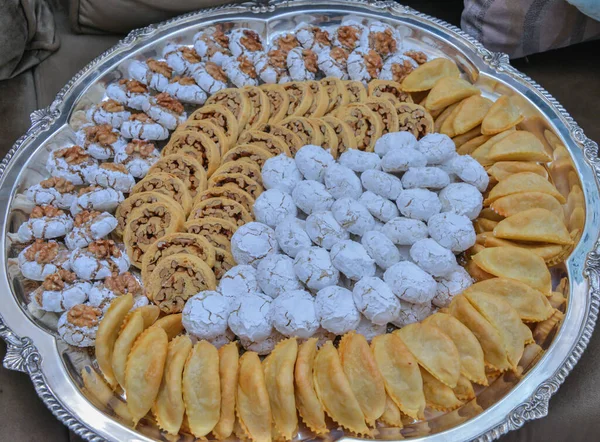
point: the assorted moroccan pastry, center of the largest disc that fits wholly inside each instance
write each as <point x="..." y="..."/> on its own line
<point x="330" y="230"/>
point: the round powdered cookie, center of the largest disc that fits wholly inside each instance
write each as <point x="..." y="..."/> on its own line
<point x="352" y="259"/>
<point x="197" y="145"/>
<point x="293" y="314"/>
<point x="304" y="129"/>
<point x="222" y="208"/>
<point x="240" y="181"/>
<point x="291" y="236"/>
<point x="335" y="310"/>
<point x="273" y="206"/>
<point x="324" y="230"/>
<point x="222" y="117"/>
<point x="230" y="192"/>
<point x="111" y="175"/>
<point x="375" y="300"/>
<point x="217" y="231"/>
<point x="311" y="196"/>
<point x="166" y="184"/>
<point x="433" y="258"/>
<point x="185" y="168"/>
<point x="275" y="275"/>
<point x="364" y="123"/>
<point x="250" y="152"/>
<point x="236" y="101"/>
<point x="419" y="204"/>
<point x="252" y="242"/>
<point x="314" y="268"/>
<point x="205" y="315"/>
<point x="140" y="199"/>
<point x="244" y="165"/>
<point x="279" y="99"/>
<point x="312" y="161"/>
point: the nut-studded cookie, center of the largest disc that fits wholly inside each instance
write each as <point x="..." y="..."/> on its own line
<point x="222" y="208"/>
<point x="279" y="99"/>
<point x="244" y="166"/>
<point x="185" y="168"/>
<point x="223" y="262"/>
<point x="390" y="90"/>
<point x="231" y="192"/>
<point x="139" y="199"/>
<point x="330" y="139"/>
<point x="240" y="181"/>
<point x="236" y="101"/>
<point x="300" y="96"/>
<point x="415" y="119"/>
<point x="210" y="129"/>
<point x="345" y="136"/>
<point x="273" y="143"/>
<point x="222" y="117"/>
<point x="386" y="112"/>
<point x="365" y="124"/>
<point x="306" y="131"/>
<point x="336" y="91"/>
<point x="292" y="140"/>
<point x="216" y="230"/>
<point x="197" y="145"/>
<point x="357" y="93"/>
<point x="166" y="184"/>
<point x="251" y="152"/>
<point x="260" y="108"/>
<point x="178" y="242"/>
<point x="320" y="102"/>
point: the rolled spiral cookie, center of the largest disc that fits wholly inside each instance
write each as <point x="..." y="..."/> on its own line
<point x="185" y="168"/>
<point x="244" y="166"/>
<point x="167" y="184"/>
<point x="390" y="90"/>
<point x="222" y="208"/>
<point x="345" y="136"/>
<point x="279" y="99"/>
<point x="337" y="93"/>
<point x="301" y="126"/>
<point x="415" y="119"/>
<point x="385" y="110"/>
<point x="175" y="243"/>
<point x="273" y="143"/>
<point x="365" y="124"/>
<point x="230" y="192"/>
<point x="139" y="199"/>
<point x="223" y="262"/>
<point x="197" y="145"/>
<point x="240" y="181"/>
<point x="216" y="230"/>
<point x="210" y="129"/>
<point x="357" y="93"/>
<point x="236" y="101"/>
<point x="260" y="109"/>
<point x="176" y="278"/>
<point x="292" y="140"/>
<point x="301" y="98"/>
<point x="148" y="223"/>
<point x="222" y="117"/>
<point x="320" y="101"/>
<point x="250" y="152"/>
<point x="330" y="139"/>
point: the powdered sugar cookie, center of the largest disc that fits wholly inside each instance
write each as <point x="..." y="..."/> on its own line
<point x="88" y="227"/>
<point x="294" y="314"/>
<point x="291" y="236"/>
<point x="252" y="319"/>
<point x="143" y="127"/>
<point x="101" y="142"/>
<point x="165" y="110"/>
<point x="275" y="275"/>
<point x="324" y="230"/>
<point x="411" y="313"/>
<point x="99" y="260"/>
<point x="43" y="258"/>
<point x="400" y="160"/>
<point x="79" y="325"/>
<point x="97" y="198"/>
<point x="352" y="215"/>
<point x="285" y="42"/>
<point x="381" y="208"/>
<point x="273" y="206"/>
<point x="370" y="330"/>
<point x="186" y="90"/>
<point x="131" y="93"/>
<point x="205" y="315"/>
<point x="452" y="231"/>
<point x="238" y="282"/>
<point x="410" y="283"/>
<point x="336" y="311"/>
<point x="45" y="222"/>
<point x="395" y="140"/>
<point x="350" y="35"/>
<point x="71" y="164"/>
<point x="383" y="39"/>
<point x="180" y="57"/>
<point x="138" y="157"/>
<point x="381" y="183"/>
<point x="281" y="173"/>
<point x="301" y="64"/>
<point x="313" y="37"/>
<point x="60" y="291"/>
<point x="252" y="242"/>
<point x="341" y="182"/>
<point x="210" y="76"/>
<point x="108" y="112"/>
<point x="470" y="171"/>
<point x="352" y="259"/>
<point x="241" y="71"/>
<point x="153" y="73"/>
<point x="333" y="62"/>
<point x="375" y="300"/>
<point x="462" y="199"/>
<point x="432" y="257"/>
<point x="312" y="161"/>
<point x="212" y="45"/>
<point x="311" y="196"/>
<point x="419" y="204"/>
<point x="54" y="191"/>
<point x="271" y="66"/>
<point x="437" y="148"/>
<point x="103" y="292"/>
<point x="364" y="65"/>
<point x="405" y="231"/>
<point x="451" y="285"/>
<point x="244" y="41"/>
<point x="397" y="67"/>
<point x="359" y="161"/>
<point x="112" y="175"/>
<point x="314" y="268"/>
<point x="427" y="177"/>
<point x="380" y="248"/>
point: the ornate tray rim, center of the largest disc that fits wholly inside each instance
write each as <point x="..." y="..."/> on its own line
<point x="23" y="355"/>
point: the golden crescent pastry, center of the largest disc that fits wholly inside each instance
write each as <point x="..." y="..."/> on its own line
<point x="223" y="208"/>
<point x="469" y="350"/>
<point x="210" y="129"/>
<point x="239" y="181"/>
<point x="543" y="329"/>
<point x="166" y="184"/>
<point x="244" y="165"/>
<point x="464" y="389"/>
<point x="202" y="389"/>
<point x="230" y="192"/>
<point x="223" y="262"/>
<point x="138" y="200"/>
<point x="273" y="143"/>
<point x="520" y="145"/>
<point x="292" y="140"/>
<point x="148" y="223"/>
<point x="426" y="76"/>
<point x="300" y="98"/>
<point x="386" y="112"/>
<point x="260" y="107"/>
<point x="308" y="133"/>
<point x="357" y="93"/>
<point x="337" y="93"/>
<point x="309" y="407"/>
<point x="197" y="145"/>
<point x="236" y="101"/>
<point x="552" y="254"/>
<point x="503" y="115"/>
<point x="185" y="168"/>
<point x="177" y="242"/>
<point x="390" y="90"/>
<point x="133" y="326"/>
<point x="415" y="119"/>
<point x="102" y="394"/>
<point x="365" y="124"/>
<point x="482" y="152"/>
<point x="535" y="225"/>
<point x="470" y="114"/>
<point x="278" y="367"/>
<point x="401" y="374"/>
<point x="253" y="408"/>
<point x="334" y="392"/>
<point x="169" y="408"/>
<point x="434" y="350"/>
<point x="221" y="116"/>
<point x="279" y="99"/>
<point x="461" y="139"/>
<point x="228" y="374"/>
<point x="320" y="101"/>
<point x="171" y="324"/>
<point x="447" y="91"/>
<point x="470" y="146"/>
<point x="445" y="116"/>
<point x="107" y="334"/>
<point x="344" y="134"/>
<point x="363" y="375"/>
<point x="502" y="169"/>
<point x="391" y="416"/>
<point x="438" y="395"/>
<point x="216" y="230"/>
<point x="251" y="152"/>
<point x="329" y="137"/>
<point x="176" y="278"/>
<point x="520" y="183"/>
<point x="144" y="371"/>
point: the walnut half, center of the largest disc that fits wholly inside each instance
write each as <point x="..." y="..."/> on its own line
<point x="104" y="248"/>
<point x="82" y="315"/>
<point x="42" y="252"/>
<point x="123" y="284"/>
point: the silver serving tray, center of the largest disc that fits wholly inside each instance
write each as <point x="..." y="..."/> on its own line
<point x="54" y="367"/>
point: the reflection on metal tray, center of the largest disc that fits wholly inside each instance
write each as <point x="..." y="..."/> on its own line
<point x="511" y="400"/>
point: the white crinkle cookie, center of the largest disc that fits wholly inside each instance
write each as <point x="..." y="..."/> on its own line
<point x="186" y="90"/>
<point x="112" y="175"/>
<point x="312" y="37"/>
<point x="275" y="275"/>
<point x="252" y="318"/>
<point x="131" y="93"/>
<point x="205" y="315"/>
<point x="451" y="285"/>
<point x="452" y="231"/>
<point x="381" y="208"/>
<point x="281" y="173"/>
<point x="350" y="34"/>
<point x="62" y="299"/>
<point x="108" y="112"/>
<point x="265" y="346"/>
<point x="245" y="41"/>
<point x="341" y="182"/>
<point x="210" y="77"/>
<point x="333" y="62"/>
<point x="411" y="313"/>
<point x="419" y="204"/>
<point x="252" y="242"/>
<point x="470" y="171"/>
<point x="97" y="198"/>
<point x="392" y="63"/>
<point x="381" y="183"/>
<point x="400" y="160"/>
<point x="462" y="199"/>
<point x="294" y="314"/>
<point x="311" y="196"/>
<point x="45" y="223"/>
<point x="240" y="71"/>
<point x="358" y="65"/>
<point x="324" y="230"/>
<point x="370" y="330"/>
<point x="138" y="157"/>
<point x="273" y="206"/>
<point x="180" y="57"/>
<point x="312" y="161"/>
<point x="394" y="141"/>
<point x="405" y="231"/>
<point x="101" y="296"/>
<point x="433" y="258"/>
<point x="89" y="265"/>
<point x="141" y="126"/>
<point x="150" y="73"/>
<point x="336" y="311"/>
<point x="54" y="191"/>
<point x="301" y="64"/>
<point x="165" y="110"/>
<point x="437" y="148"/>
<point x="380" y="248"/>
<point x="210" y="48"/>
<point x="352" y="260"/>
<point x="71" y="163"/>
<point x="90" y="229"/>
<point x="291" y="236"/>
<point x="42" y="258"/>
<point x="410" y="283"/>
<point x="237" y="282"/>
<point x="101" y="142"/>
<point x="375" y="300"/>
<point x="314" y="268"/>
<point x="359" y="161"/>
<point x="79" y="325"/>
<point x="352" y="216"/>
<point x="428" y="177"/>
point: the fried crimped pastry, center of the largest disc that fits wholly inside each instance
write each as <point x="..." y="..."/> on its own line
<point x="253" y="408"/>
<point x="334" y="392"/>
<point x="400" y="371"/>
<point x="521" y="183"/>
<point x="468" y="115"/>
<point x="447" y="91"/>
<point x="470" y="146"/>
<point x="144" y="371"/>
<point x="279" y="379"/>
<point x="391" y="415"/>
<point x="363" y="375"/>
<point x="202" y="389"/>
<point x="171" y="324"/>
<point x="309" y="407"/>
<point x="108" y="332"/>
<point x="482" y="152"/>
<point x="503" y="115"/>
<point x="464" y="389"/>
<point x="94" y="383"/>
<point x="510" y="205"/>
<point x="437" y="394"/>
<point x="228" y="373"/>
<point x="169" y="408"/>
<point x="520" y="145"/>
<point x="536" y="225"/>
<point x="426" y="76"/>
